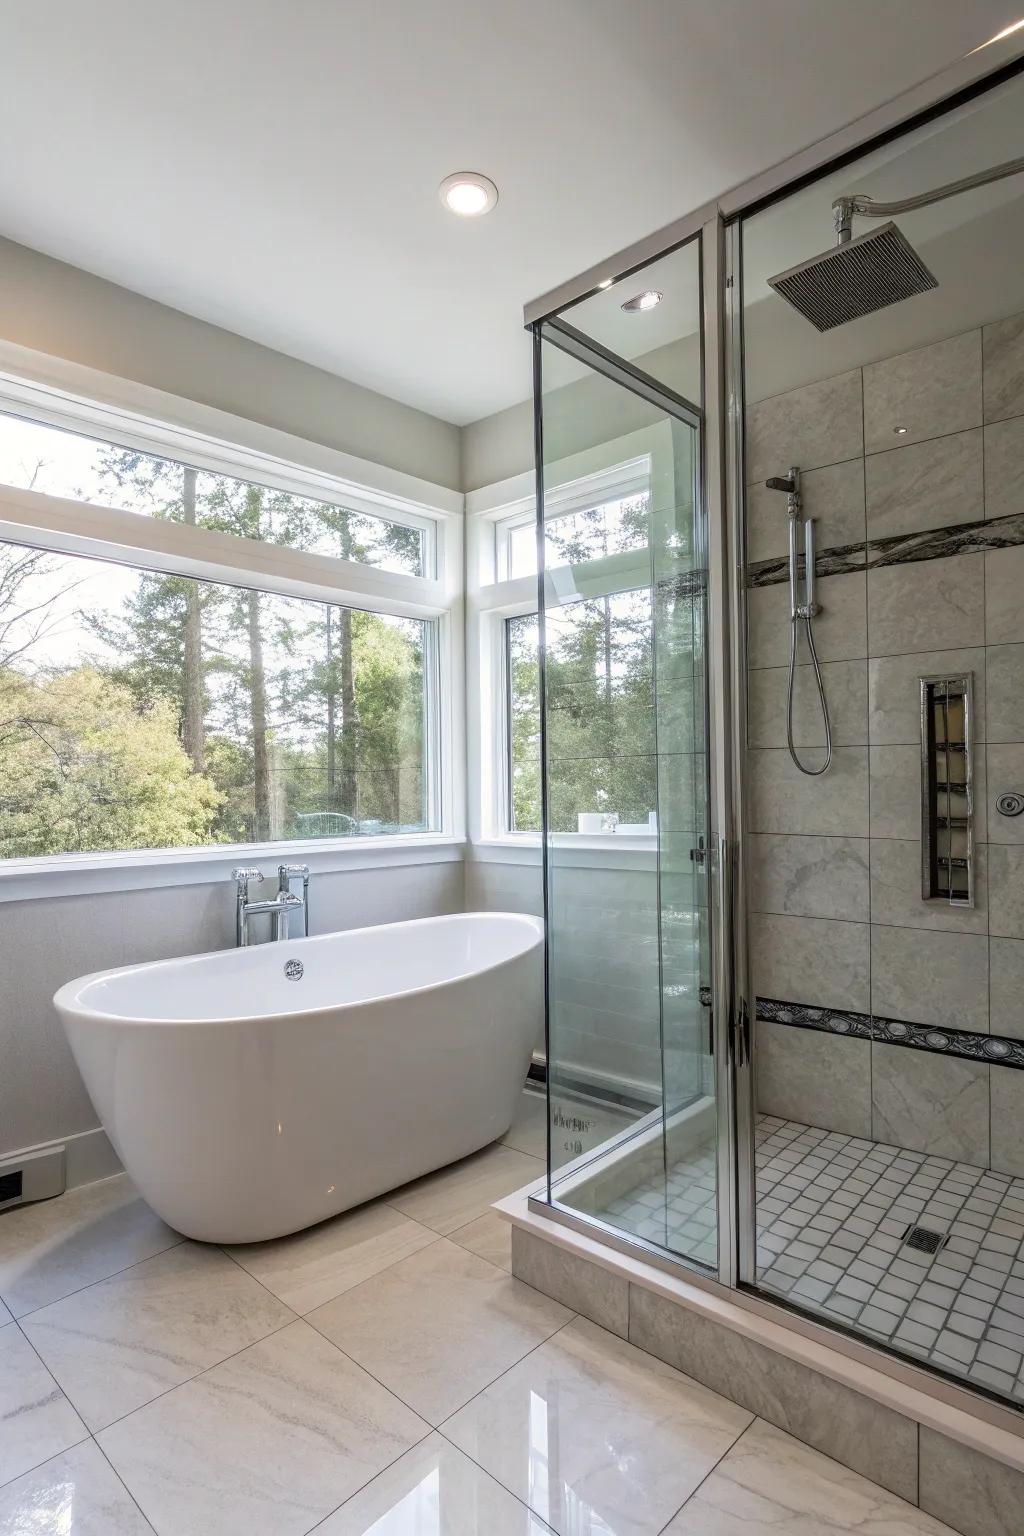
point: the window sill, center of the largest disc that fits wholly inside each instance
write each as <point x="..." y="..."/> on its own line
<point x="89" y="874"/>
<point x="569" y="849"/>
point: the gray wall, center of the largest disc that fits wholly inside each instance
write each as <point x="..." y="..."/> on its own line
<point x="838" y="918"/>
<point x="60" y="310"/>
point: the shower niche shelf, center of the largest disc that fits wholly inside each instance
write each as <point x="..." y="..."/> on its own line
<point x="947" y="790"/>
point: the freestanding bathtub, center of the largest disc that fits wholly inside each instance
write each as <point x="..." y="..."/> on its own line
<point x="252" y="1092"/>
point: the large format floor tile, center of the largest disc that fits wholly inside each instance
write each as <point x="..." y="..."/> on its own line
<point x="266" y="1444"/>
<point x="36" y="1419"/>
<point x="769" y="1483"/>
<point x="74" y="1494"/>
<point x="58" y="1246"/>
<point x="311" y="1267"/>
<point x="458" y="1194"/>
<point x="434" y="1490"/>
<point x="119" y="1344"/>
<point x="439" y="1326"/>
<point x="597" y="1437"/>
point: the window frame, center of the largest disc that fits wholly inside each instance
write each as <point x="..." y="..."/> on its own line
<point x="65" y="526"/>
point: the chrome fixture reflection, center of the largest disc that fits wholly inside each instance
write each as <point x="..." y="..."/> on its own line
<point x="859" y="276"/>
<point x="278" y="907"/>
<point x="801" y="612"/>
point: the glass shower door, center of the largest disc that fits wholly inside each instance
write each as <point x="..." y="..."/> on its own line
<point x="627" y="845"/>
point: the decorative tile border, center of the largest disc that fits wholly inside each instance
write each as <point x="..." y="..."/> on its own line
<point x="964" y="1043"/>
<point x="901" y="549"/>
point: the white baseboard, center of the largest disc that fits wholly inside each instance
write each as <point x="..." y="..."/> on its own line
<point x="88" y="1156"/>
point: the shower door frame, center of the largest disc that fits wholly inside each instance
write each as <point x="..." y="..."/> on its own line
<point x="730" y="1013"/>
<point x="719" y="225"/>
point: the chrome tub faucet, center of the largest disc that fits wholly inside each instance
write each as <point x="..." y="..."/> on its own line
<point x="278" y="906"/>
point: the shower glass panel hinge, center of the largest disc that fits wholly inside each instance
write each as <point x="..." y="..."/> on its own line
<point x="947" y="790"/>
<point x="700" y="853"/>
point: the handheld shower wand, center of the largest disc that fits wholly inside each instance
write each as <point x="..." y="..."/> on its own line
<point x="801" y="612"/>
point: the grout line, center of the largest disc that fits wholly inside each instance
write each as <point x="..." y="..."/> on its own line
<point x="123" y="1484"/>
<point x="712" y="1470"/>
<point x="6" y="1482"/>
<point x="364" y="1485"/>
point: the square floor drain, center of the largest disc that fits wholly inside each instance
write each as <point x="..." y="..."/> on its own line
<point x="923" y="1239"/>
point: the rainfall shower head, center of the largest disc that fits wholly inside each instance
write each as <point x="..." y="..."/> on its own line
<point x="858" y="277"/>
<point x="855" y="278"/>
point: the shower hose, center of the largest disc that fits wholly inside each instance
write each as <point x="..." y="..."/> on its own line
<point x="794" y="637"/>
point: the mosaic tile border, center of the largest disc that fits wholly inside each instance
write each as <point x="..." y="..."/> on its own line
<point x="996" y="1049"/>
<point x="901" y="549"/>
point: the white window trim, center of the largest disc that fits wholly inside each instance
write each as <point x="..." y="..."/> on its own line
<point x="109" y="533"/>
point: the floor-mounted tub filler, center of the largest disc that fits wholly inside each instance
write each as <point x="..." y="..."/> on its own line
<point x="252" y="1092"/>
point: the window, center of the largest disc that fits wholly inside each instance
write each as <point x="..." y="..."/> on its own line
<point x="179" y="689"/>
<point x="36" y="456"/>
<point x="601" y="515"/>
<point x="145" y="710"/>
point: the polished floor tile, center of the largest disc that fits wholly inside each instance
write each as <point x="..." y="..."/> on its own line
<point x="5" y="1316"/>
<point x="266" y="1444"/>
<point x="439" y="1326"/>
<point x="433" y="1490"/>
<point x="769" y="1483"/>
<point x="58" y="1246"/>
<point x="489" y="1237"/>
<point x="529" y="1130"/>
<point x="597" y="1437"/>
<point x="117" y="1345"/>
<point x="311" y="1267"/>
<point x="453" y="1196"/>
<point x="36" y="1419"/>
<point x="74" y="1494"/>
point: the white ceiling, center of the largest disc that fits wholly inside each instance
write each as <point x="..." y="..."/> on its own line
<point x="272" y="165"/>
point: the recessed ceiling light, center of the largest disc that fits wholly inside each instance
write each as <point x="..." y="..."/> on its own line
<point x="643" y="301"/>
<point x="606" y="283"/>
<point x="468" y="194"/>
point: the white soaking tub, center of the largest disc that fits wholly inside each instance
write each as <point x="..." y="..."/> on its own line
<point x="252" y="1092"/>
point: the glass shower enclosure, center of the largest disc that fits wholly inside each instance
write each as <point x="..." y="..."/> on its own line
<point x="785" y="920"/>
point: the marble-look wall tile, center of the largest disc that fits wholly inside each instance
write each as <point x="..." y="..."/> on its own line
<point x="813" y="426"/>
<point x="811" y="960"/>
<point x="932" y="1104"/>
<point x="1004" y="467"/>
<point x="833" y="496"/>
<point x="575" y="1282"/>
<point x="810" y="876"/>
<point x="930" y="392"/>
<point x="896" y="891"/>
<point x="895" y="781"/>
<point x="930" y="978"/>
<point x="1004" y="583"/>
<point x="894" y="692"/>
<point x="1004" y="692"/>
<point x="817" y="1078"/>
<point x="835" y="1420"/>
<point x="1006" y="987"/>
<point x="1006" y="891"/>
<point x="1005" y="765"/>
<point x="840" y="630"/>
<point x="1007" y="1091"/>
<point x="934" y="484"/>
<point x="846" y="689"/>
<point x="972" y="1493"/>
<point x="927" y="605"/>
<point x="782" y="799"/>
<point x="1003" y="351"/>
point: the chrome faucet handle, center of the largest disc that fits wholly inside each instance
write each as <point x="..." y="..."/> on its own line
<point x="284" y="875"/>
<point x="243" y="875"/>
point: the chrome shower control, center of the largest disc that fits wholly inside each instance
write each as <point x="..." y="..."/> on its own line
<point x="1010" y="804"/>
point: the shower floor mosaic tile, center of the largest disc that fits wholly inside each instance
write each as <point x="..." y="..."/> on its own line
<point x="836" y="1226"/>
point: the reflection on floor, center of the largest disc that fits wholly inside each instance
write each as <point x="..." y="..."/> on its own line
<point x="840" y="1220"/>
<point x="380" y="1373"/>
